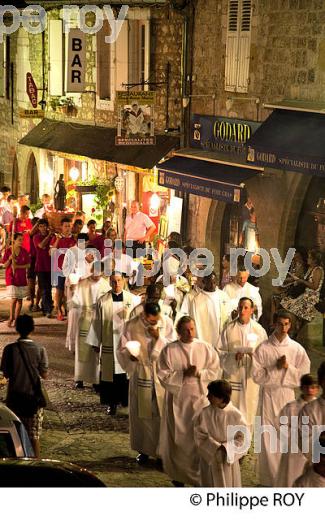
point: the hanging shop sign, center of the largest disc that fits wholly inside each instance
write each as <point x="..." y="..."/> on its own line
<point x="76" y="61"/>
<point x="135" y="125"/>
<point x="202" y="187"/>
<point x="221" y="134"/>
<point x="31" y="89"/>
<point x="31" y="113"/>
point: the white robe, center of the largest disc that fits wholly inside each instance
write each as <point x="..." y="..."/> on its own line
<point x="210" y="311"/>
<point x="244" y="391"/>
<point x="166" y="310"/>
<point x="184" y="397"/>
<point x="235" y="291"/>
<point x="144" y="428"/>
<point x="106" y="329"/>
<point x="277" y="389"/>
<point x="84" y="299"/>
<point x="310" y="479"/>
<point x="210" y="433"/>
<point x="315" y="410"/>
<point x="291" y="464"/>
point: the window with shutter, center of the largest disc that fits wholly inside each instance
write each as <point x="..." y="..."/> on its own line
<point x="238" y="45"/>
<point x="125" y="62"/>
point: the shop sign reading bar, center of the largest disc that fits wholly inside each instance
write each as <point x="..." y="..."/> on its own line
<point x="221" y="134"/>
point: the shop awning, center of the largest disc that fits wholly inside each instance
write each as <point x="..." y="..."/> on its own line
<point x="96" y="142"/>
<point x="207" y="179"/>
<point x="290" y="140"/>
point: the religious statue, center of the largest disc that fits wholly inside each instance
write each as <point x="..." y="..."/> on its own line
<point x="60" y="194"/>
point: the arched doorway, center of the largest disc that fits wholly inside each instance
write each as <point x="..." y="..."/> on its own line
<point x="32" y="184"/>
<point x="311" y="224"/>
<point x="15" y="177"/>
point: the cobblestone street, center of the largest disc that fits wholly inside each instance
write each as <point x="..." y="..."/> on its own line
<point x="76" y="426"/>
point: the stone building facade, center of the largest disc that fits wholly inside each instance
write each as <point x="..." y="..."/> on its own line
<point x="286" y="62"/>
<point x="27" y="53"/>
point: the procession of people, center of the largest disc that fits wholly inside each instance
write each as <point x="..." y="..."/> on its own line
<point x="197" y="370"/>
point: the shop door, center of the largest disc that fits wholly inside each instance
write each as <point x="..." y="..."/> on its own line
<point x="311" y="224"/>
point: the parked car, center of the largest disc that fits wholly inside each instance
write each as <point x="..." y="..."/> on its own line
<point x="18" y="469"/>
<point x="14" y="440"/>
<point x="45" y="473"/>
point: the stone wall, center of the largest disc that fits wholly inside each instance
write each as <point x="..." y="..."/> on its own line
<point x="287" y="61"/>
<point x="166" y="46"/>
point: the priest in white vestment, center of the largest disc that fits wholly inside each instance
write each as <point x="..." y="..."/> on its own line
<point x="185" y="367"/>
<point x="293" y="461"/>
<point x="152" y="332"/>
<point x="278" y="365"/>
<point x="237" y="343"/>
<point x="210" y="310"/>
<point x="85" y="297"/>
<point x="153" y="294"/>
<point x="311" y="418"/>
<point x="77" y="265"/>
<point x="239" y="288"/>
<point x="219" y="450"/>
<point x="111" y="313"/>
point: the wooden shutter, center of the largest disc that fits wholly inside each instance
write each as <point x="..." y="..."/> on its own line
<point x="2" y="69"/>
<point x="122" y="72"/>
<point x="56" y="64"/>
<point x="244" y="46"/>
<point x="104" y="63"/>
<point x="238" y="45"/>
<point x="231" y="65"/>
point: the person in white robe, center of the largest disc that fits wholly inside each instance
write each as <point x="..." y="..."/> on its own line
<point x="152" y="332"/>
<point x="153" y="294"/>
<point x="209" y="310"/>
<point x="219" y="449"/>
<point x="314" y="475"/>
<point x="239" y="288"/>
<point x="85" y="298"/>
<point x="293" y="461"/>
<point x="237" y="343"/>
<point x="278" y="365"/>
<point x="111" y="313"/>
<point x="77" y="265"/>
<point x="185" y="367"/>
<point x="311" y="418"/>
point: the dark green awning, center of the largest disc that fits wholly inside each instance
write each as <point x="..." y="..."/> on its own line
<point x="97" y="142"/>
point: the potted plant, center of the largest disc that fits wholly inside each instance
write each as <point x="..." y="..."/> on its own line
<point x="67" y="105"/>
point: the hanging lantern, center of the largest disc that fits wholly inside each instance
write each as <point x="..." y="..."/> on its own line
<point x="119" y="183"/>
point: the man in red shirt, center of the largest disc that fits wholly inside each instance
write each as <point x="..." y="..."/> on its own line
<point x="64" y="240"/>
<point x="23" y="224"/>
<point x="43" y="264"/>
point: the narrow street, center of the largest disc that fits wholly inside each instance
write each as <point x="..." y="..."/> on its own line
<point x="77" y="428"/>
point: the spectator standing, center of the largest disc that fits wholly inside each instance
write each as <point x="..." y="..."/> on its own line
<point x="41" y="243"/>
<point x="138" y="227"/>
<point x="16" y="358"/>
<point x="16" y="261"/>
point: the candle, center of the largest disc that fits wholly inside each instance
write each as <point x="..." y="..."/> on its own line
<point x="133" y="347"/>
